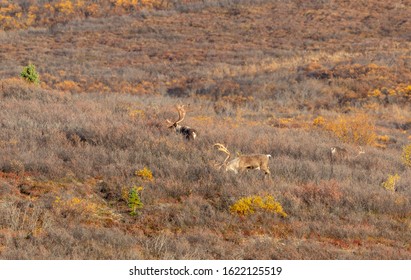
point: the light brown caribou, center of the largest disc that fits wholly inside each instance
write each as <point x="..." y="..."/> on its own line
<point x="243" y="162"/>
<point x="340" y="154"/>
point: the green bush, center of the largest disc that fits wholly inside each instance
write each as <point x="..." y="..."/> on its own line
<point x="30" y="74"/>
<point x="134" y="200"/>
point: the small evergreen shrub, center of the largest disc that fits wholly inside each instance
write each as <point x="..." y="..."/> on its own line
<point x="134" y="201"/>
<point x="30" y="74"/>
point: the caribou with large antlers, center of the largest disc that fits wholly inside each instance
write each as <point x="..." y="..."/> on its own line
<point x="243" y="162"/>
<point x="187" y="132"/>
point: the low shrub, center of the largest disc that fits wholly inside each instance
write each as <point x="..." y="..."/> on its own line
<point x="390" y="183"/>
<point x="30" y="74"/>
<point x="355" y="129"/>
<point x="134" y="201"/>
<point x="249" y="205"/>
<point x="406" y="155"/>
<point x="145" y="174"/>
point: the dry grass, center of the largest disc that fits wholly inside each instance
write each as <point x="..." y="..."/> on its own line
<point x="290" y="79"/>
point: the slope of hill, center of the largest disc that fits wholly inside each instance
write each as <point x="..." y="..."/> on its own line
<point x="89" y="169"/>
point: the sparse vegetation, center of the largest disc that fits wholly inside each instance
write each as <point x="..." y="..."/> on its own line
<point x="288" y="78"/>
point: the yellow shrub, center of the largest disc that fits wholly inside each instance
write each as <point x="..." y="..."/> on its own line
<point x="319" y="121"/>
<point x="92" y="9"/>
<point x="406" y="155"/>
<point x="399" y="90"/>
<point x="357" y="129"/>
<point x="390" y="183"/>
<point x="249" y="205"/>
<point x="65" y="7"/>
<point x="145" y="174"/>
<point x="375" y="93"/>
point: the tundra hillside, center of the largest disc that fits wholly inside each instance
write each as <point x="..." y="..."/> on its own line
<point x="89" y="168"/>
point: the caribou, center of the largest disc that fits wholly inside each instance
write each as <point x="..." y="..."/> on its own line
<point x="243" y="162"/>
<point x="187" y="132"/>
<point x="338" y="154"/>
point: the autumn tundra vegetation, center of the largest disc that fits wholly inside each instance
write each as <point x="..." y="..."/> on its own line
<point x="89" y="168"/>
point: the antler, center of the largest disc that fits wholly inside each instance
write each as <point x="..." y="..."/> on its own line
<point x="360" y="151"/>
<point x="181" y="114"/>
<point x="223" y="149"/>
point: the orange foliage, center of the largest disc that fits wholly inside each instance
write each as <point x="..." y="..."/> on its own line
<point x="398" y="94"/>
<point x="68" y="86"/>
<point x="355" y="129"/>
